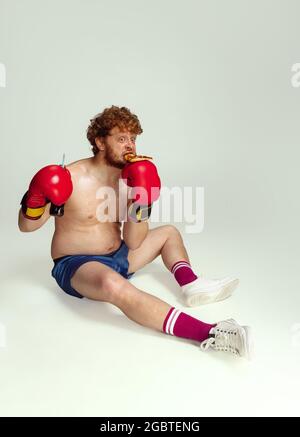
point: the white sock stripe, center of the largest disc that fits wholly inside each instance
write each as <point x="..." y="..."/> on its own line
<point x="170" y="320"/>
<point x="171" y="326"/>
<point x="174" y="321"/>
<point x="185" y="263"/>
<point x="179" y="265"/>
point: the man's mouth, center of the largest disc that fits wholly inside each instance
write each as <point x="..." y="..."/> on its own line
<point x="128" y="155"/>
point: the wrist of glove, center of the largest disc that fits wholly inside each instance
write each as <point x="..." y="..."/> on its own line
<point x="36" y="212"/>
<point x="139" y="213"/>
<point x="33" y="212"/>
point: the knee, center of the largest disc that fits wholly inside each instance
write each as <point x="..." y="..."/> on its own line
<point x="112" y="288"/>
<point x="172" y="231"/>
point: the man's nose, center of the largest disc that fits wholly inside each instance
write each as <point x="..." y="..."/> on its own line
<point x="129" y="148"/>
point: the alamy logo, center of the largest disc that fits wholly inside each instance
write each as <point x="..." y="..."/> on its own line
<point x="176" y="204"/>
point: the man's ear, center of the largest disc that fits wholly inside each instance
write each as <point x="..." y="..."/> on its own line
<point x="99" y="143"/>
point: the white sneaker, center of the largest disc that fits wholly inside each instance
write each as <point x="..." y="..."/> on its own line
<point x="203" y="291"/>
<point x="229" y="336"/>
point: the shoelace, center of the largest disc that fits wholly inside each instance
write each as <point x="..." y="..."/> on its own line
<point x="206" y="344"/>
<point x="226" y="341"/>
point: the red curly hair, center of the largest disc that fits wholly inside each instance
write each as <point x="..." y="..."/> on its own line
<point x="111" y="117"/>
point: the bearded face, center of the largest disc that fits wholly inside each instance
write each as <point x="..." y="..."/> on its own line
<point x="114" y="146"/>
<point x="112" y="158"/>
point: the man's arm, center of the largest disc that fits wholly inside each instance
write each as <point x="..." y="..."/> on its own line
<point x="27" y="225"/>
<point x="135" y="233"/>
<point x="143" y="178"/>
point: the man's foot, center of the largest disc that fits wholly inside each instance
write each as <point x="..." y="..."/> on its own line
<point x="203" y="291"/>
<point x="229" y="336"/>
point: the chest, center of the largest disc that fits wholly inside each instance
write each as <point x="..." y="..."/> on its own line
<point x="94" y="202"/>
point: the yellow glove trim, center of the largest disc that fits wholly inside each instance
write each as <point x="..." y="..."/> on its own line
<point x="35" y="212"/>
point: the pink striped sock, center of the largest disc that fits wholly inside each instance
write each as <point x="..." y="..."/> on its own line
<point x="183" y="272"/>
<point x="182" y="325"/>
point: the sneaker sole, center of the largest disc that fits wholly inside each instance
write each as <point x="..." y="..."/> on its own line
<point x="204" y="298"/>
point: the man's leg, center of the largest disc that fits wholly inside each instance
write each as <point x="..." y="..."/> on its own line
<point x="99" y="282"/>
<point x="164" y="240"/>
<point x="167" y="241"/>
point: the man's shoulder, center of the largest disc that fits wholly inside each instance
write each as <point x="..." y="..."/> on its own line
<point x="79" y="167"/>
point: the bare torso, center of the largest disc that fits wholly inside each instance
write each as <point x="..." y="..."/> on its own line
<point x="79" y="231"/>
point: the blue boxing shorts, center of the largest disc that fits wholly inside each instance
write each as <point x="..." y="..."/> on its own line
<point x="65" y="266"/>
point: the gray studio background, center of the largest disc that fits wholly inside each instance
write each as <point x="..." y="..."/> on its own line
<point x="211" y="85"/>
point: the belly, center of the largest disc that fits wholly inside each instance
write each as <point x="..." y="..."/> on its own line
<point x="92" y="240"/>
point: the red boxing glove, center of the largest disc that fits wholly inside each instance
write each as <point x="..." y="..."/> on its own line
<point x="53" y="184"/>
<point x="142" y="176"/>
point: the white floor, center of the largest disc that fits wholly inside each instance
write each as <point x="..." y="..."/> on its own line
<point x="64" y="356"/>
